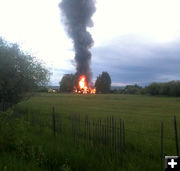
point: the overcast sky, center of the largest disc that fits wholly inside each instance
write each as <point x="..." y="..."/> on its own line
<point x="136" y="41"/>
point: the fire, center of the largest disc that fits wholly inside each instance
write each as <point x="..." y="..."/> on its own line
<point x="83" y="87"/>
<point x="82" y="83"/>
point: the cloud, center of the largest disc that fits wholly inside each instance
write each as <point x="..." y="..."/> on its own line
<point x="57" y="74"/>
<point x="135" y="59"/>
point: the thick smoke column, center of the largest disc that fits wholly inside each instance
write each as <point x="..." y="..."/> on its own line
<point x="77" y="17"/>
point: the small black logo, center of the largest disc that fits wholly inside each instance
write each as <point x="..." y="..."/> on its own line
<point x="172" y="163"/>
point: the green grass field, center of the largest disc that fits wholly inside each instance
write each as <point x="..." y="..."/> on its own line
<point x="35" y="148"/>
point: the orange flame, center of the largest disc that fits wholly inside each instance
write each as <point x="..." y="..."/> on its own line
<point x="83" y="87"/>
<point x="82" y="82"/>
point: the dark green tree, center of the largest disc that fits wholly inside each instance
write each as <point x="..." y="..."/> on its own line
<point x="171" y="88"/>
<point x="103" y="83"/>
<point x="132" y="89"/>
<point x="153" y="89"/>
<point x="20" y="73"/>
<point x="67" y="83"/>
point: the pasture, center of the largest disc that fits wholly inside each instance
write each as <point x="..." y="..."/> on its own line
<point x="37" y="148"/>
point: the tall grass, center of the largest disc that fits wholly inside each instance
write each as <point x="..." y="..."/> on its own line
<point x="79" y="144"/>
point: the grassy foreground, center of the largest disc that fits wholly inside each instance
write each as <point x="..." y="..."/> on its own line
<point x="27" y="141"/>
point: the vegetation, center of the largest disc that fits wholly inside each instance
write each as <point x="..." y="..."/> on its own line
<point x="103" y="83"/>
<point x="19" y="73"/>
<point x="132" y="89"/>
<point x="67" y="83"/>
<point x="171" y="88"/>
<point x="28" y="141"/>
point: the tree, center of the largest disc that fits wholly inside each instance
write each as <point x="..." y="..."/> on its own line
<point x="153" y="89"/>
<point x="171" y="88"/>
<point x="174" y="88"/>
<point x="132" y="89"/>
<point x="19" y="73"/>
<point x="67" y="83"/>
<point x="103" y="83"/>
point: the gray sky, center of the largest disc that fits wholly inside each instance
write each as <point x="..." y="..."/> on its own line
<point x="136" y="41"/>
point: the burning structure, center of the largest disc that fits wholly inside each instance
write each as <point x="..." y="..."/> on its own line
<point x="83" y="87"/>
<point x="77" y="17"/>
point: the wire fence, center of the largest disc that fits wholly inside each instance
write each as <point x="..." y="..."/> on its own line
<point x="110" y="132"/>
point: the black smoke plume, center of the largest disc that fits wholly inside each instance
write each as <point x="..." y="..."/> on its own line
<point x="77" y="17"/>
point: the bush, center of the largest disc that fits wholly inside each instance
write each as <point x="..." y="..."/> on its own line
<point x="19" y="73"/>
<point x="132" y="89"/>
<point x="7" y="132"/>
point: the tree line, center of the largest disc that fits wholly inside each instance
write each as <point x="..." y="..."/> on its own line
<point x="20" y="73"/>
<point x="102" y="84"/>
<point x="171" y="88"/>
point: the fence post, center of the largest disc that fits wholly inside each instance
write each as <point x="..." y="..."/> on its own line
<point x="105" y="132"/>
<point x="120" y="135"/>
<point x="96" y="132"/>
<point x="176" y="136"/>
<point x="79" y="127"/>
<point x="123" y="134"/>
<point x="60" y="124"/>
<point x="75" y="128"/>
<point x="72" y="130"/>
<point x="100" y="132"/>
<point x="53" y="121"/>
<point x="107" y="129"/>
<point x="93" y="133"/>
<point x="162" y="155"/>
<point x="89" y="131"/>
<point x="115" y="133"/>
<point x="110" y="133"/>
<point x="118" y="138"/>
<point x="86" y="127"/>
